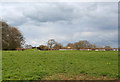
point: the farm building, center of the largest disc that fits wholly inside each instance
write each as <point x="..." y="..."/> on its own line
<point x="68" y="48"/>
<point x="116" y="49"/>
<point x="99" y="49"/>
<point x="65" y="49"/>
<point x="86" y="49"/>
<point x="89" y="49"/>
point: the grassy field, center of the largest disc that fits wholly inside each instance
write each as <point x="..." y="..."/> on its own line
<point x="59" y="65"/>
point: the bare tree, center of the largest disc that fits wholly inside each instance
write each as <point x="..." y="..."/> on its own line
<point x="11" y="37"/>
<point x="77" y="45"/>
<point x="93" y="46"/>
<point x="70" y="45"/>
<point x="28" y="46"/>
<point x="51" y="43"/>
<point x="43" y="47"/>
<point x="57" y="46"/>
<point x="82" y="44"/>
<point x="107" y="48"/>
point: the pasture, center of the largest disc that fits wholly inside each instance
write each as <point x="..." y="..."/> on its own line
<point x="59" y="65"/>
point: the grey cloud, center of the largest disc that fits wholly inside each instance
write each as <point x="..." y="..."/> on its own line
<point x="65" y="22"/>
<point x="12" y="14"/>
<point x="48" y="13"/>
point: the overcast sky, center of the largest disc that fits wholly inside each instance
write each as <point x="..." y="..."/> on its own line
<point x="66" y="22"/>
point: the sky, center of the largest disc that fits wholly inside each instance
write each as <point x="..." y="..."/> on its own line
<point x="65" y="22"/>
<point x="59" y="0"/>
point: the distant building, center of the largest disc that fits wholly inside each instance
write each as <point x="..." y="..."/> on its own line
<point x="85" y="49"/>
<point x="116" y="49"/>
<point x="68" y="48"/>
<point x="89" y="49"/>
<point x="99" y="49"/>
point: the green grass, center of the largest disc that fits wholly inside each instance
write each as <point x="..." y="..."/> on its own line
<point x="35" y="65"/>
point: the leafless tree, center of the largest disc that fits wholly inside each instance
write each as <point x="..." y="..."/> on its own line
<point x="57" y="46"/>
<point x="70" y="45"/>
<point x="93" y="46"/>
<point x="107" y="48"/>
<point x="43" y="47"/>
<point x="51" y="43"/>
<point x="28" y="46"/>
<point x="82" y="44"/>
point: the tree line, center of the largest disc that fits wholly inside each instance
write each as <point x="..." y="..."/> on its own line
<point x="12" y="38"/>
<point x="52" y="44"/>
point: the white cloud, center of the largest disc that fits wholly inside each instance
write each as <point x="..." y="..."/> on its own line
<point x="65" y="22"/>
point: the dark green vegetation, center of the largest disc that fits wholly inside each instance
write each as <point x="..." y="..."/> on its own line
<point x="35" y="65"/>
